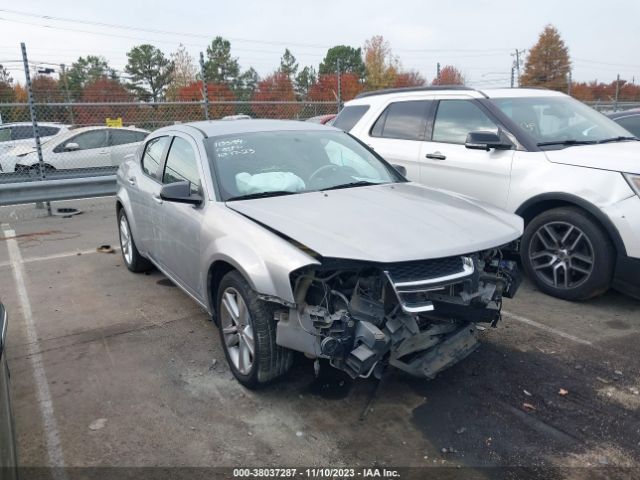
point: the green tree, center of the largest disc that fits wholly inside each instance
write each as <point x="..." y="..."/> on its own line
<point x="350" y="61"/>
<point x="86" y="70"/>
<point x="247" y="84"/>
<point x="548" y="63"/>
<point x="150" y="72"/>
<point x="288" y="64"/>
<point x="304" y="81"/>
<point x="220" y="66"/>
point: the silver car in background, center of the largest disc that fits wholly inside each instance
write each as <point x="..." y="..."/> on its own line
<point x="297" y="237"/>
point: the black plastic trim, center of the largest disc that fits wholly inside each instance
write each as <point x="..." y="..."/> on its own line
<point x="626" y="278"/>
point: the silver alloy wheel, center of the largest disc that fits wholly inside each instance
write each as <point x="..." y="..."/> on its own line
<point x="237" y="329"/>
<point x="125" y="240"/>
<point x="561" y="255"/>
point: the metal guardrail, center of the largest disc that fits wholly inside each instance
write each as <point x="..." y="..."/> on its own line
<point x="63" y="189"/>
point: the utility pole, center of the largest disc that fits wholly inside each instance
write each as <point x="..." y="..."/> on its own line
<point x="205" y="89"/>
<point x="516" y="63"/>
<point x="34" y="120"/>
<point x="63" y="70"/>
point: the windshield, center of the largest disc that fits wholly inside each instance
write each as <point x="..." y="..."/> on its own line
<point x="284" y="162"/>
<point x="559" y="120"/>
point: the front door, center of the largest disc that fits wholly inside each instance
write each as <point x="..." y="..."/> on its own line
<point x="85" y="150"/>
<point x="446" y="163"/>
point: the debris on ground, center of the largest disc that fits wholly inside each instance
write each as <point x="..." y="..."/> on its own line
<point x="461" y="430"/>
<point x="563" y="392"/>
<point x="529" y="407"/>
<point x="603" y="380"/>
<point x="98" y="424"/>
<point x="634" y="390"/>
<point x="214" y="362"/>
<point x="618" y="372"/>
<point x="527" y="393"/>
<point x="105" y="249"/>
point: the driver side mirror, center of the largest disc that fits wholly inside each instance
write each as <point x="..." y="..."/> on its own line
<point x="71" y="146"/>
<point x="487" y="140"/>
<point x="180" y="192"/>
<point x="400" y="169"/>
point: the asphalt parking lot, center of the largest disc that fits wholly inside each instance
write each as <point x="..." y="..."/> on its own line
<point x="112" y="368"/>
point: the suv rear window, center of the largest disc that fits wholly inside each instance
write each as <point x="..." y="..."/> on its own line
<point x="402" y="120"/>
<point x="349" y="116"/>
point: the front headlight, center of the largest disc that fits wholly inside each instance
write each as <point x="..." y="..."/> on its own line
<point x="634" y="182"/>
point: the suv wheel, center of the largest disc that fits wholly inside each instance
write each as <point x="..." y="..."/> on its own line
<point x="567" y="254"/>
<point x="248" y="334"/>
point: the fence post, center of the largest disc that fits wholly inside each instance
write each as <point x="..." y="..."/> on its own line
<point x="205" y="89"/>
<point x="34" y="120"/>
<point x="339" y="85"/>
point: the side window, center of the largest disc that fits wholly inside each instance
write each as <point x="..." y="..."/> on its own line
<point x="631" y="123"/>
<point x="22" y="132"/>
<point x="5" y="134"/>
<point x="349" y="116"/>
<point x="402" y="120"/>
<point x="152" y="156"/>
<point x="123" y="137"/>
<point x="48" y="131"/>
<point x="182" y="164"/>
<point x="90" y="140"/>
<point x="456" y="118"/>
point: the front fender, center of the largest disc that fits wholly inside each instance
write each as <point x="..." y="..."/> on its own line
<point x="264" y="258"/>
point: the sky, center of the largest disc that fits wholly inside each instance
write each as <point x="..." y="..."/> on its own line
<point x="477" y="36"/>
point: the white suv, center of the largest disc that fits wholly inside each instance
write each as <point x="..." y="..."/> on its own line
<point x="569" y="171"/>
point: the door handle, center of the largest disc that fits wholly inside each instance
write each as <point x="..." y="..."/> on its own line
<point x="436" y="156"/>
<point x="157" y="199"/>
<point x="132" y="180"/>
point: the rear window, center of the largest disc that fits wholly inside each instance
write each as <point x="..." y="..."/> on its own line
<point x="349" y="116"/>
<point x="403" y="120"/>
<point x="48" y="131"/>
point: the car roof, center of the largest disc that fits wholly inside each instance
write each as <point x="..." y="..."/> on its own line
<point x="76" y="131"/>
<point x="415" y="93"/>
<point x="218" y="128"/>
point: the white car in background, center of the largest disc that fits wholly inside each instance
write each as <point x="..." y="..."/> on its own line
<point x="16" y="138"/>
<point x="569" y="171"/>
<point x="82" y="148"/>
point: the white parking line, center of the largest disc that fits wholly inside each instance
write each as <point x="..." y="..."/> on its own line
<point x="54" y="256"/>
<point x="52" y="436"/>
<point x="541" y="326"/>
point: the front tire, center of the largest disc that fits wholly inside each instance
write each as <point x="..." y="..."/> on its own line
<point x="567" y="254"/>
<point x="248" y="334"/>
<point x="132" y="258"/>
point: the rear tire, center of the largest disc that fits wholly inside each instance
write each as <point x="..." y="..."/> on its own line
<point x="248" y="334"/>
<point x="567" y="254"/>
<point x="130" y="254"/>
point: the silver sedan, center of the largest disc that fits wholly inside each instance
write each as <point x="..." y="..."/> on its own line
<point x="297" y="237"/>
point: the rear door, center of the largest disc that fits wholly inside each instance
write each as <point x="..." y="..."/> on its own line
<point x="446" y="163"/>
<point x="122" y="143"/>
<point x="398" y="133"/>
<point x="179" y="230"/>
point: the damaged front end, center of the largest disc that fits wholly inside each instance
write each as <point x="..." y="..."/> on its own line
<point x="417" y="316"/>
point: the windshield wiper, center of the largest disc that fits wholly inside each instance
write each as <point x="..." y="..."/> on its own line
<point x="567" y="142"/>
<point x="616" y="139"/>
<point x="249" y="196"/>
<point x="361" y="183"/>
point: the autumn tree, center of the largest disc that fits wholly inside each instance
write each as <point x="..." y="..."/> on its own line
<point x="275" y="88"/>
<point x="184" y="72"/>
<point x="6" y="88"/>
<point x="101" y="90"/>
<point x="216" y="93"/>
<point x="288" y="64"/>
<point x="326" y="88"/>
<point x="150" y="72"/>
<point x="5" y="76"/>
<point x="449" y="75"/>
<point x="412" y="78"/>
<point x="350" y="61"/>
<point x="304" y="81"/>
<point x="380" y="63"/>
<point x="548" y="62"/>
<point x="86" y="70"/>
<point x="220" y="66"/>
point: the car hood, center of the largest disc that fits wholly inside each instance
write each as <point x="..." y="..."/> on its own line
<point x="618" y="157"/>
<point x="384" y="223"/>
